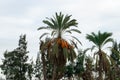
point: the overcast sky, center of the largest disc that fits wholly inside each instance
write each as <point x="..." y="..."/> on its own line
<point x="25" y="16"/>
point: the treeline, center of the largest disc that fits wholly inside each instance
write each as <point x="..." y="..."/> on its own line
<point x="62" y="58"/>
<point x="15" y="64"/>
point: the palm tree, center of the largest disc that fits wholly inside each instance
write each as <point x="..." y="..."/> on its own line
<point x="59" y="49"/>
<point x="99" y="41"/>
<point x="115" y="58"/>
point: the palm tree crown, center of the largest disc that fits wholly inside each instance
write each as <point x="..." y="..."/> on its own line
<point x="58" y="48"/>
<point x="99" y="39"/>
<point x="59" y="24"/>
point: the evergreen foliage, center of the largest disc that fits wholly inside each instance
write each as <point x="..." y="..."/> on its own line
<point x="38" y="67"/>
<point x="15" y="65"/>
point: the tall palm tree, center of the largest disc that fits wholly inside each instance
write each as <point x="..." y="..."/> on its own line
<point x="59" y="49"/>
<point x="99" y="41"/>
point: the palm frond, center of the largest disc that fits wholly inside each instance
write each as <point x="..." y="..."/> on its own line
<point x="105" y="38"/>
<point x="96" y="39"/>
<point x="53" y="21"/>
<point x="40" y="28"/>
<point x="48" y="23"/>
<point x="65" y="20"/>
<point x="70" y="23"/>
<point x="75" y="44"/>
<point x="44" y="34"/>
<point x="76" y="39"/>
<point x="53" y="32"/>
<point x="74" y="30"/>
<point x="55" y="50"/>
<point x="93" y="47"/>
<point x="68" y="31"/>
<point x="59" y="18"/>
<point x="65" y="52"/>
<point x="72" y="55"/>
<point x="86" y="50"/>
<point x="91" y="38"/>
<point x="108" y="40"/>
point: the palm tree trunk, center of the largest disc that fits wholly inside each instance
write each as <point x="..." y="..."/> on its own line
<point x="100" y="66"/>
<point x="44" y="65"/>
<point x="54" y="72"/>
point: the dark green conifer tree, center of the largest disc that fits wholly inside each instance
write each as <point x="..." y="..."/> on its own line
<point x="15" y="65"/>
<point x="38" y="67"/>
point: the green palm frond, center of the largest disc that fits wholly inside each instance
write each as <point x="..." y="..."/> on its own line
<point x="86" y="50"/>
<point x="51" y="25"/>
<point x="105" y="38"/>
<point x="93" y="47"/>
<point x="53" y="32"/>
<point x="53" y="21"/>
<point x="73" y="30"/>
<point x="108" y="40"/>
<point x="72" y="55"/>
<point x="91" y="38"/>
<point x="75" y="44"/>
<point x="65" y="52"/>
<point x="68" y="31"/>
<point x="40" y="28"/>
<point x="76" y="39"/>
<point x="99" y="39"/>
<point x="44" y="34"/>
<point x="59" y="19"/>
<point x="70" y="23"/>
<point x="55" y="50"/>
<point x="66" y="20"/>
